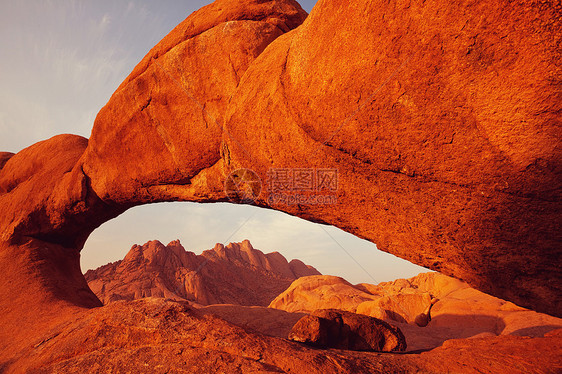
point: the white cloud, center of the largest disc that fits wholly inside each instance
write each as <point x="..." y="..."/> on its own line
<point x="105" y="20"/>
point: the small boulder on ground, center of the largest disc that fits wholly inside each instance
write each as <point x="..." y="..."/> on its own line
<point x="332" y="328"/>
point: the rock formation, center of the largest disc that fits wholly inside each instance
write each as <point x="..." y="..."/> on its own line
<point x="232" y="274"/>
<point x="4" y="157"/>
<point x="443" y="122"/>
<point x="440" y="118"/>
<point x="331" y="328"/>
<point x="402" y="304"/>
<point x="429" y="308"/>
<point x="53" y="194"/>
<point x="158" y="336"/>
<point x="443" y="132"/>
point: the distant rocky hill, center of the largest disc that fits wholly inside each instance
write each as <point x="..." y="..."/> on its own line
<point x="232" y="274"/>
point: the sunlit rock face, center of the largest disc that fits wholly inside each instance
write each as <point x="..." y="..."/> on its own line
<point x="441" y="120"/>
<point x="443" y="138"/>
<point x="53" y="194"/>
<point x="233" y="274"/>
<point x="429" y="308"/>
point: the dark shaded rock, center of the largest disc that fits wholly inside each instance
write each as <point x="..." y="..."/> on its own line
<point x="331" y="328"/>
<point x="4" y="157"/>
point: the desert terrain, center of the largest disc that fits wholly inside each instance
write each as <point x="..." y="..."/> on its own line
<point x="442" y="122"/>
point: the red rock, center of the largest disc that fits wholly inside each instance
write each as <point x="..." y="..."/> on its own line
<point x="441" y="119"/>
<point x="268" y="321"/>
<point x="122" y="337"/>
<point x="155" y="335"/>
<point x="500" y="354"/>
<point x="56" y="192"/>
<point x="45" y="195"/>
<point x="174" y="103"/>
<point x="235" y="274"/>
<point x="331" y="328"/>
<point x="484" y="169"/>
<point x="4" y="157"/>
<point x="429" y="308"/>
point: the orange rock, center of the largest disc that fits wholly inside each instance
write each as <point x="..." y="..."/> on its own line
<point x="155" y="335"/>
<point x="387" y="302"/>
<point x="172" y="105"/>
<point x="310" y="293"/>
<point x="426" y="320"/>
<point x="235" y="274"/>
<point x="500" y="354"/>
<point x="441" y="119"/>
<point x="56" y="192"/>
<point x="4" y="157"/>
<point x="40" y="187"/>
<point x="444" y="141"/>
<point x="331" y="328"/>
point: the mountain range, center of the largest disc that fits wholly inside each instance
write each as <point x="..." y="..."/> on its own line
<point x="233" y="274"/>
<point x="268" y="294"/>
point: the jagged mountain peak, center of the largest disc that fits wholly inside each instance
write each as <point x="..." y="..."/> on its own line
<point x="236" y="273"/>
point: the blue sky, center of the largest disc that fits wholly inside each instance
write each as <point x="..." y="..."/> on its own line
<point x="62" y="60"/>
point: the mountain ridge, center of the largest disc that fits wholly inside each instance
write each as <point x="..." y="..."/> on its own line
<point x="233" y="274"/>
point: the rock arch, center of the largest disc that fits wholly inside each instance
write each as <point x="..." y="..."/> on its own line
<point x="445" y="134"/>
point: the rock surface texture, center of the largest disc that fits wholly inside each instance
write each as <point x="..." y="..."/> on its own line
<point x="332" y="328"/>
<point x="232" y="274"/>
<point x="4" y="157"/>
<point x="442" y="120"/>
<point x="159" y="336"/>
<point x="429" y="308"/>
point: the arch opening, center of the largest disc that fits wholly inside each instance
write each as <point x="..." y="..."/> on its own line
<point x="200" y="226"/>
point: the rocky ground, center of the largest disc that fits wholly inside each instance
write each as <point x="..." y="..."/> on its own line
<point x="441" y="318"/>
<point x="460" y="329"/>
<point x="158" y="336"/>
<point x="441" y="119"/>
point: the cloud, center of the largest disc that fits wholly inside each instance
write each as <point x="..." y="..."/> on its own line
<point x="105" y="20"/>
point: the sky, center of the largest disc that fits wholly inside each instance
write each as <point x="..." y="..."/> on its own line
<point x="62" y="60"/>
